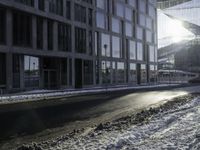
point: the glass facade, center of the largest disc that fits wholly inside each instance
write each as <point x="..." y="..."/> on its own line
<point x="83" y="43"/>
<point x="31" y="72"/>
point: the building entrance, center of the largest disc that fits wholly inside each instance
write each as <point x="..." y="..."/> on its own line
<point x="50" y="77"/>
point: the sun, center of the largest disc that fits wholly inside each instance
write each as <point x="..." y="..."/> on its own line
<point x="176" y="30"/>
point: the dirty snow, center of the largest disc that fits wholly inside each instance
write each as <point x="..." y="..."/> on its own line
<point x="173" y="129"/>
<point x="47" y="94"/>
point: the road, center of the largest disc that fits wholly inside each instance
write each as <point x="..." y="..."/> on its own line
<point x="50" y="122"/>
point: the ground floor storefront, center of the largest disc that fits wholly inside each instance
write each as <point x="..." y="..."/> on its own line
<point x="20" y="72"/>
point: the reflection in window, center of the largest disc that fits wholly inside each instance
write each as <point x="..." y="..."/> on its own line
<point x="31" y="71"/>
<point x="100" y="4"/>
<point x="120" y="72"/>
<point x="148" y="36"/>
<point x="115" y="25"/>
<point x="129" y="29"/>
<point x="116" y="44"/>
<point x="152" y="73"/>
<point x="143" y="73"/>
<point x="132" y="2"/>
<point x="142" y="20"/>
<point x="139" y="51"/>
<point x="133" y="73"/>
<point x="151" y="54"/>
<point x="129" y="14"/>
<point x="88" y="72"/>
<point x="139" y="33"/>
<point x="105" y="45"/>
<point x="132" y="49"/>
<point x="120" y="9"/>
<point x="106" y="71"/>
<point x="142" y="6"/>
<point x="100" y="20"/>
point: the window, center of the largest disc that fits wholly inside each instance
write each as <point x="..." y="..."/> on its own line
<point x="64" y="37"/>
<point x="97" y="43"/>
<point x="39" y="33"/>
<point x="116" y="25"/>
<point x="139" y="33"/>
<point x="132" y="49"/>
<point x="151" y="54"/>
<point x="142" y="20"/>
<point x="2" y="26"/>
<point x="26" y="2"/>
<point x="132" y="3"/>
<point x="129" y="29"/>
<point x="64" y="72"/>
<point x="140" y="51"/>
<point x="22" y="29"/>
<point x="100" y="20"/>
<point x="2" y="69"/>
<point x="68" y="9"/>
<point x="116" y="47"/>
<point x="80" y="40"/>
<point x="80" y="13"/>
<point x="50" y="34"/>
<point x="90" y="18"/>
<point x="152" y="11"/>
<point x="149" y="36"/>
<point x="142" y="6"/>
<point x="88" y="1"/>
<point x="88" y="72"/>
<point x="31" y="71"/>
<point x="16" y="71"/>
<point x="120" y="72"/>
<point x="41" y="5"/>
<point x="149" y="23"/>
<point x="133" y="73"/>
<point x="105" y="45"/>
<point x="106" y="72"/>
<point x="90" y="40"/>
<point x="100" y="4"/>
<point x="56" y="7"/>
<point x="120" y="9"/>
<point x="129" y="14"/>
<point x="152" y="73"/>
<point x="143" y="73"/>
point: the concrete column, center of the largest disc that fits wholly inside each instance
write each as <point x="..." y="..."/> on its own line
<point x="9" y="72"/>
<point x="55" y="36"/>
<point x="34" y="32"/>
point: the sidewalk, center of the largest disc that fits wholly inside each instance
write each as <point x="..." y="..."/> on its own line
<point x="54" y="94"/>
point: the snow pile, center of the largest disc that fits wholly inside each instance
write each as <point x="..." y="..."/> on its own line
<point x="46" y="94"/>
<point x="176" y="128"/>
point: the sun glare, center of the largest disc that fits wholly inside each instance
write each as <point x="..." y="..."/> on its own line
<point x="176" y="30"/>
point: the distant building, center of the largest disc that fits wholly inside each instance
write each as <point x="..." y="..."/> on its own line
<point x="59" y="44"/>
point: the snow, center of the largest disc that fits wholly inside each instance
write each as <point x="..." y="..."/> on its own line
<point x="177" y="128"/>
<point x="47" y="94"/>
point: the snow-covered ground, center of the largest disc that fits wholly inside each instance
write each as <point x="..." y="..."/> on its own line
<point x="47" y="94"/>
<point x="176" y="128"/>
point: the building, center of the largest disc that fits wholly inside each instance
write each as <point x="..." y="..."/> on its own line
<point x="60" y="44"/>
